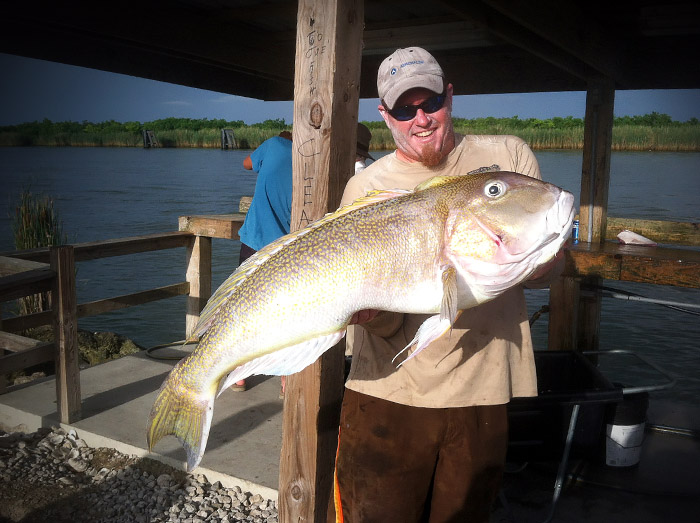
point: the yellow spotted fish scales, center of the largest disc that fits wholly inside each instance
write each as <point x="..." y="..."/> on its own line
<point x="438" y="249"/>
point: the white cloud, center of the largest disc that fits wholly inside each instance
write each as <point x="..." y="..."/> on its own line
<point x="225" y="98"/>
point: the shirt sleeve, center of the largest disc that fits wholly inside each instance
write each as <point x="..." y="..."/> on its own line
<point x="525" y="161"/>
<point x="356" y="187"/>
<point x="258" y="155"/>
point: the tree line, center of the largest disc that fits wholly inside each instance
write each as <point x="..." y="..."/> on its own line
<point x="47" y="127"/>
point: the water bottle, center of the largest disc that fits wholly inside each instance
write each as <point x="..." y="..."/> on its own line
<point x="574" y="232"/>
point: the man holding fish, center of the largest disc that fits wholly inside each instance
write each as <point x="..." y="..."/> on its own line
<point x="423" y="428"/>
<point x="427" y="441"/>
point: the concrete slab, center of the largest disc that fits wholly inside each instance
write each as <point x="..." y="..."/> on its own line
<point x="244" y="441"/>
<point x="246" y="436"/>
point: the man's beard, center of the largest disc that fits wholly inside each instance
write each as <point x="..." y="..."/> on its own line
<point x="430" y="157"/>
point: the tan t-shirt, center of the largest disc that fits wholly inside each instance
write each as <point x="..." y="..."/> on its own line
<point x="487" y="358"/>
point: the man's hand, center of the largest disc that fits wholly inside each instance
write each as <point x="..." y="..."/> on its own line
<point x="363" y="316"/>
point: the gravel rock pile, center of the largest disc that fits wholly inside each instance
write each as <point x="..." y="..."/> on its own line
<point x="52" y="475"/>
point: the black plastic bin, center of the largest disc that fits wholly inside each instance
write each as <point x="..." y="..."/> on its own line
<point x="538" y="426"/>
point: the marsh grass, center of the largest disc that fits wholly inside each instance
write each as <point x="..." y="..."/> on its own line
<point x="625" y="137"/>
<point x="539" y="135"/>
<point x="36" y="224"/>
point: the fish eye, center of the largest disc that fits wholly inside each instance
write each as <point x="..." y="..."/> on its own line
<point x="494" y="189"/>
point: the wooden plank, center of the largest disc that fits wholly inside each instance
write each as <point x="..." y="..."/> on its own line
<point x="10" y="266"/>
<point x="326" y="101"/>
<point x="41" y="353"/>
<point x="199" y="279"/>
<point x="93" y="308"/>
<point x="675" y="233"/>
<point x="214" y="226"/>
<point x="66" y="334"/>
<point x="130" y="300"/>
<point x="614" y="261"/>
<point x="25" y="283"/>
<point x="16" y="343"/>
<point x="20" y="323"/>
<point x="116" y="247"/>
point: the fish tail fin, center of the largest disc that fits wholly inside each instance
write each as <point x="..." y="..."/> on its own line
<point x="183" y="413"/>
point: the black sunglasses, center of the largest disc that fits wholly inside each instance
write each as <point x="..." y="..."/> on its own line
<point x="408" y="112"/>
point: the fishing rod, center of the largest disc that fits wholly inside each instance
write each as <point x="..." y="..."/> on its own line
<point x="619" y="294"/>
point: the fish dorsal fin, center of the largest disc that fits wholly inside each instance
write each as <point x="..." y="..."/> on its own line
<point x="436" y="181"/>
<point x="368" y="199"/>
<point x="227" y="288"/>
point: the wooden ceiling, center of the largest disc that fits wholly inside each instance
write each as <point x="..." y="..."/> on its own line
<point x="247" y="48"/>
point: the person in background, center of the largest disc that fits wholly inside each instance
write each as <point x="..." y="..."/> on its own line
<point x="270" y="211"/>
<point x="364" y="136"/>
<point x="427" y="441"/>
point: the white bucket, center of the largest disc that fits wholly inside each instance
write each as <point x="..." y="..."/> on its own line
<point x="625" y="430"/>
<point x="623" y="444"/>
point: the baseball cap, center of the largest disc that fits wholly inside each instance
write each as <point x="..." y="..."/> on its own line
<point x="364" y="135"/>
<point x="407" y="69"/>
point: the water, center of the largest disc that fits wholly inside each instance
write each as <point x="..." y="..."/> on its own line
<point x="105" y="193"/>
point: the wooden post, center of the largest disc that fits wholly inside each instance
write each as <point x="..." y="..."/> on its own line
<point x="595" y="183"/>
<point x="3" y="377"/>
<point x="199" y="278"/>
<point x="563" y="313"/>
<point x="326" y="101"/>
<point x="575" y="319"/>
<point x="64" y="305"/>
<point x="595" y="172"/>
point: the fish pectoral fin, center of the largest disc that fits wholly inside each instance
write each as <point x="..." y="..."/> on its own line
<point x="285" y="361"/>
<point x="429" y="331"/>
<point x="448" y="307"/>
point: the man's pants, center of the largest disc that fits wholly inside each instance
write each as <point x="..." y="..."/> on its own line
<point x="412" y="464"/>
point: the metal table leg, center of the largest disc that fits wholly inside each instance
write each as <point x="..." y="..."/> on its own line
<point x="561" y="473"/>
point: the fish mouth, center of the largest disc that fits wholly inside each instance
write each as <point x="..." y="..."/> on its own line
<point x="505" y="267"/>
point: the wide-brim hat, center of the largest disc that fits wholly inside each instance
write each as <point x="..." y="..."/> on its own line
<point x="406" y="69"/>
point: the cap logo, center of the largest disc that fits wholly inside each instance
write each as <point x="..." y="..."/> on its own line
<point x="414" y="62"/>
<point x="393" y="71"/>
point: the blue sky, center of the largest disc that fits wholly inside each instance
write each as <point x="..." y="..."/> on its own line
<point x="35" y="89"/>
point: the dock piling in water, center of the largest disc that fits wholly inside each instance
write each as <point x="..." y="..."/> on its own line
<point x="149" y="139"/>
<point x="228" y="139"/>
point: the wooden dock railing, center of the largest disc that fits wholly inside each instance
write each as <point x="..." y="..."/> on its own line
<point x="574" y="318"/>
<point x="24" y="273"/>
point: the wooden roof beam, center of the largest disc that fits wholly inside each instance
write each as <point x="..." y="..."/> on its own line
<point x="184" y="35"/>
<point x="561" y="24"/>
<point x="521" y="36"/>
<point x="448" y="35"/>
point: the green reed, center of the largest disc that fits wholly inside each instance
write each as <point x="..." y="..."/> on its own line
<point x="625" y="137"/>
<point x="36" y="224"/>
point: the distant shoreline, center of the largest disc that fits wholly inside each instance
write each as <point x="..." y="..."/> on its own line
<point x="652" y="132"/>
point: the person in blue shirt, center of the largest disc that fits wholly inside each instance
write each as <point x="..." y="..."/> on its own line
<point x="270" y="211"/>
